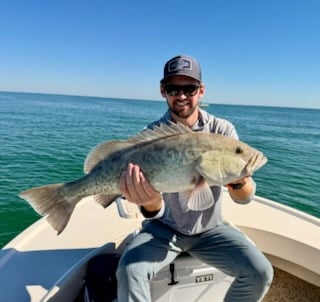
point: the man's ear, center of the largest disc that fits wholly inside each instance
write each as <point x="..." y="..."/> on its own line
<point x="162" y="91"/>
<point x="202" y="90"/>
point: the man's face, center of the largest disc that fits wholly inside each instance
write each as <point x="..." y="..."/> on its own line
<point x="182" y="94"/>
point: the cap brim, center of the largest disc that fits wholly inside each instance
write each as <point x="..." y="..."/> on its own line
<point x="181" y="73"/>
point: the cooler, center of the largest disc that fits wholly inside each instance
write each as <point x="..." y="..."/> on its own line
<point x="188" y="279"/>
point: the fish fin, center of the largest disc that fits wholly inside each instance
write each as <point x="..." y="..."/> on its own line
<point x="159" y="131"/>
<point x="198" y="199"/>
<point x="102" y="151"/>
<point x="106" y="149"/>
<point x="49" y="200"/>
<point x="183" y="197"/>
<point x="209" y="167"/>
<point x="104" y="199"/>
<point x="60" y="216"/>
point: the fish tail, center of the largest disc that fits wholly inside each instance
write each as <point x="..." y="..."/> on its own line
<point x="50" y="200"/>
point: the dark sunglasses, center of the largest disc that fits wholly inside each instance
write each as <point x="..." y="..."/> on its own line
<point x="188" y="90"/>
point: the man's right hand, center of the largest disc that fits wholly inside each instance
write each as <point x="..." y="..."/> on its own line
<point x="136" y="189"/>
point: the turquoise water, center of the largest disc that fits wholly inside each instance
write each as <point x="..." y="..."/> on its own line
<point x="45" y="138"/>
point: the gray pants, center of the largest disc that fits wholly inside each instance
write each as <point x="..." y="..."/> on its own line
<point x="223" y="247"/>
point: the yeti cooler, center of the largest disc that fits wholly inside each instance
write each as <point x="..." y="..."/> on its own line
<point x="188" y="279"/>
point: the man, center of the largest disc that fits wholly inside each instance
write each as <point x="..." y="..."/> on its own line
<point x="169" y="229"/>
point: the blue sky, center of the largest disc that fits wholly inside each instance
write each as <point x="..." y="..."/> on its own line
<point x="252" y="52"/>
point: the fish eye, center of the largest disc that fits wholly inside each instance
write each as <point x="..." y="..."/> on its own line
<point x="239" y="150"/>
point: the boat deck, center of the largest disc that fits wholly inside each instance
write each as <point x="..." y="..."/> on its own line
<point x="286" y="287"/>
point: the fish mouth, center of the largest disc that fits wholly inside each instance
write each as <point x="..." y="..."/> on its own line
<point x="255" y="163"/>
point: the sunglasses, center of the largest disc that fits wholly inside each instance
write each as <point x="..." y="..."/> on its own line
<point x="188" y="90"/>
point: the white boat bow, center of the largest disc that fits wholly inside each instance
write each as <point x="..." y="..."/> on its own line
<point x="38" y="265"/>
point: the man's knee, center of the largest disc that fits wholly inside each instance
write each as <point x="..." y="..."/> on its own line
<point x="259" y="279"/>
<point x="265" y="275"/>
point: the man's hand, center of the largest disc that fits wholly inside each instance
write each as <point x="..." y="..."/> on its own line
<point x="242" y="189"/>
<point x="136" y="189"/>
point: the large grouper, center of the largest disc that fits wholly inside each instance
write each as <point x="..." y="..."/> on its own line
<point x="172" y="157"/>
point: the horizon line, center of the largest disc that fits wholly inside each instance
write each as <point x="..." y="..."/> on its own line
<point x="154" y="100"/>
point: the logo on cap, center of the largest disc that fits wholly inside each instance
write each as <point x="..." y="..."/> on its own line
<point x="180" y="63"/>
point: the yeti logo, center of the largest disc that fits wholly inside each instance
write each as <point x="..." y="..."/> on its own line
<point x="204" y="278"/>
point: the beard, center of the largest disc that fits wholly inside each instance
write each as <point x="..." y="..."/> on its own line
<point x="182" y="111"/>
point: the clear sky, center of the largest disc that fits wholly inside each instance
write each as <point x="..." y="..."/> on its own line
<point x="253" y="52"/>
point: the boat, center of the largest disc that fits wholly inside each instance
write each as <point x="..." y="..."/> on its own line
<point x="202" y="104"/>
<point x="39" y="265"/>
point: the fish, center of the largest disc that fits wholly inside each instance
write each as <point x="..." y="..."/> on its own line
<point x="172" y="157"/>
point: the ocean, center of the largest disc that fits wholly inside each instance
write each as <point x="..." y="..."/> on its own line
<point x="45" y="139"/>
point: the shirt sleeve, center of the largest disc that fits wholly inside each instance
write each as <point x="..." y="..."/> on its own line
<point x="154" y="215"/>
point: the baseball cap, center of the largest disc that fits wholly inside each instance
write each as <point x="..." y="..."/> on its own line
<point x="182" y="65"/>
